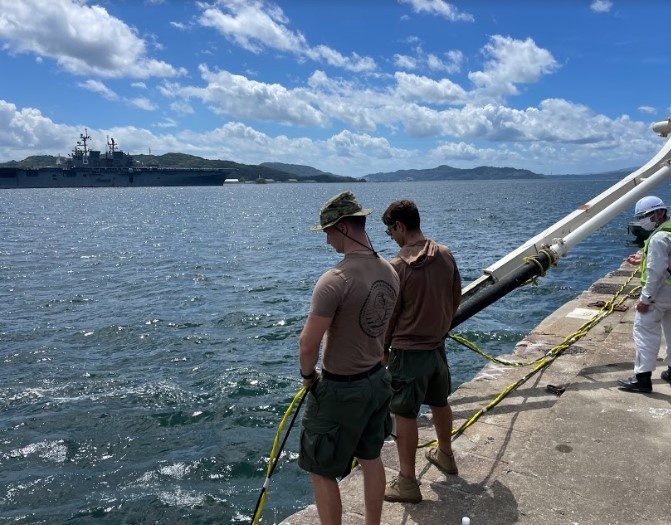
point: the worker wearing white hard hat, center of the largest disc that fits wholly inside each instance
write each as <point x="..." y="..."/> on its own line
<point x="646" y="205"/>
<point x="653" y="309"/>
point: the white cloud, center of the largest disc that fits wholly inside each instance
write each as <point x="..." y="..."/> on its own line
<point x="24" y="132"/>
<point x="237" y="96"/>
<point x="601" y="6"/>
<point x="143" y="103"/>
<point x="440" y="8"/>
<point x="96" y="86"/>
<point x="511" y="62"/>
<point x="451" y="63"/>
<point x="422" y="89"/>
<point x="352" y="145"/>
<point x="167" y="123"/>
<point x="257" y="25"/>
<point x="413" y="105"/>
<point x="648" y="110"/>
<point x="355" y="63"/>
<point x="455" y="152"/>
<point x="253" y="26"/>
<point x="82" y="39"/>
<point x="554" y="121"/>
<point x="236" y="140"/>
<point x="318" y="78"/>
<point x="405" y="62"/>
<point x="182" y="107"/>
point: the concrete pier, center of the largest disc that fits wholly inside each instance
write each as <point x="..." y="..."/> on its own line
<point x="592" y="455"/>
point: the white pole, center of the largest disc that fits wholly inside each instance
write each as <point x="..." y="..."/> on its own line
<point x="561" y="247"/>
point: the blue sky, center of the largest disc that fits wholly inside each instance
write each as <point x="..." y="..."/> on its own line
<point x="350" y="87"/>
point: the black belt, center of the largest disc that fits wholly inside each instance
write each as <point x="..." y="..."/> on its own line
<point x="355" y="377"/>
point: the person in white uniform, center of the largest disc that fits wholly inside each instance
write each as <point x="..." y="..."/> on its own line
<point x="653" y="309"/>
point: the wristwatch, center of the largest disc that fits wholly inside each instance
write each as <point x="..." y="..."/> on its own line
<point x="311" y="375"/>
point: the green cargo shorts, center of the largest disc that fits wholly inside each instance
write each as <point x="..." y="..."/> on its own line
<point x="344" y="420"/>
<point x="418" y="377"/>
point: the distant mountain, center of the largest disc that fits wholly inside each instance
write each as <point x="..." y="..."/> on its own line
<point x="308" y="172"/>
<point x="607" y="175"/>
<point x="243" y="172"/>
<point x="34" y="161"/>
<point x="450" y="173"/>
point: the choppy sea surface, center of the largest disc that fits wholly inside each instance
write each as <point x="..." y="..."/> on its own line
<point x="148" y="336"/>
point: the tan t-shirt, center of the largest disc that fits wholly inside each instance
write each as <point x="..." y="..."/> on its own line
<point x="360" y="294"/>
<point x="429" y="297"/>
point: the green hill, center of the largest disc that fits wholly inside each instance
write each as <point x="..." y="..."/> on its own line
<point x="450" y="173"/>
<point x="307" y="172"/>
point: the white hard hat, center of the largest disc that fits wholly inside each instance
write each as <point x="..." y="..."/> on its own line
<point x="648" y="204"/>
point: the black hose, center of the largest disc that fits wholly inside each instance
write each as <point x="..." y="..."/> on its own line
<point x="493" y="292"/>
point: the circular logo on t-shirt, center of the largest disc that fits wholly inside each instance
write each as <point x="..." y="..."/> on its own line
<point x="377" y="309"/>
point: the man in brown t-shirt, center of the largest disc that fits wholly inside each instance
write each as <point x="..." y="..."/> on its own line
<point x="347" y="412"/>
<point x="429" y="297"/>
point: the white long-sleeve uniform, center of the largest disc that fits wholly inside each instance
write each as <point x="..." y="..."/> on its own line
<point x="648" y="326"/>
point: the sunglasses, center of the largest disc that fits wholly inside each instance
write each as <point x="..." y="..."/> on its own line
<point x="390" y="228"/>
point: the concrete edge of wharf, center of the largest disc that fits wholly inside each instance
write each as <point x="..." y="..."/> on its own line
<point x="591" y="455"/>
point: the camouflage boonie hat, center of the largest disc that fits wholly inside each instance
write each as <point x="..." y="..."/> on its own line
<point x="342" y="205"/>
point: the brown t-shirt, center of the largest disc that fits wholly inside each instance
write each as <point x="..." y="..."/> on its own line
<point x="360" y="294"/>
<point x="429" y="297"/>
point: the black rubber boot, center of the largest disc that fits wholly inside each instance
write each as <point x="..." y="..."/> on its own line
<point x="638" y="383"/>
<point x="666" y="375"/>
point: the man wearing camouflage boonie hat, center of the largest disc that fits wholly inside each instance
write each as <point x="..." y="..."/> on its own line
<point x="351" y="305"/>
<point x="342" y="205"/>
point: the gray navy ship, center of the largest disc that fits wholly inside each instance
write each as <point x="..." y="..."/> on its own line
<point x="86" y="168"/>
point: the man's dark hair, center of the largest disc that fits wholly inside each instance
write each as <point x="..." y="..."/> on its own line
<point x="404" y="211"/>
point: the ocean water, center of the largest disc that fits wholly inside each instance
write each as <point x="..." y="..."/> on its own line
<point x="148" y="336"/>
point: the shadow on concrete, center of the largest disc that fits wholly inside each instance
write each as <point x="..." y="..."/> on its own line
<point x="527" y="392"/>
<point x="483" y="504"/>
<point x="590" y="372"/>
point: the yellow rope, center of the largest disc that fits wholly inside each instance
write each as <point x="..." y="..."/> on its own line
<point x="273" y="453"/>
<point x="544" y="361"/>
<point x="472" y="346"/>
<point x="534" y="259"/>
<point x="537" y="263"/>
